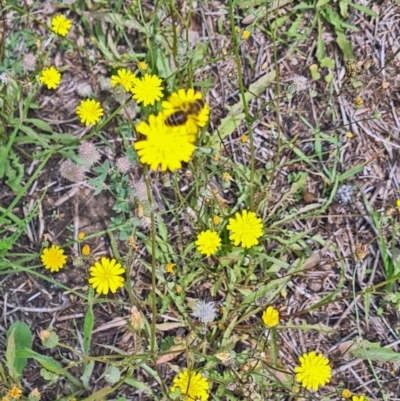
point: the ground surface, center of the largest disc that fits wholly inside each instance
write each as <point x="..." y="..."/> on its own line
<point x="348" y="156"/>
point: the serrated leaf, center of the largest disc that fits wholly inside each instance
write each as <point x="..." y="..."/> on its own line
<point x="374" y="352"/>
<point x="363" y="9"/>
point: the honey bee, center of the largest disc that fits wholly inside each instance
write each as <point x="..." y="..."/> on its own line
<point x="180" y="117"/>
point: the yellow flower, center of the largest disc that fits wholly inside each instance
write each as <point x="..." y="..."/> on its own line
<point x="53" y="258"/>
<point x="346" y="393"/>
<point x="216" y="220"/>
<point x="314" y="371"/>
<point x="50" y="77"/>
<point x="14" y="392"/>
<point x="358" y="102"/>
<point x="60" y="25"/>
<point x="270" y="317"/>
<point x="169" y="268"/>
<point x="86" y="250"/>
<point x="226" y="177"/>
<point x="244" y="138"/>
<point x="360" y="398"/>
<point x="89" y="111"/>
<point x="398" y="204"/>
<point x="192" y="385"/>
<point x="180" y="101"/>
<point x="142" y="65"/>
<point x="147" y="90"/>
<point x="178" y="289"/>
<point x="106" y="276"/>
<point x="208" y="242"/>
<point x="164" y="146"/>
<point x="246" y="34"/>
<point x="124" y="78"/>
<point x="245" y="228"/>
<point x="81" y="235"/>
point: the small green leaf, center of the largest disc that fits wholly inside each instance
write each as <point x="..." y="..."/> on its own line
<point x="322" y="3"/>
<point x="329" y="78"/>
<point x="314" y="72"/>
<point x="19" y="337"/>
<point x="88" y="324"/>
<point x="328" y="62"/>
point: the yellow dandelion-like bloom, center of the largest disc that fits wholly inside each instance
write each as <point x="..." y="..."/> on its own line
<point x="125" y="78"/>
<point x="360" y="398"/>
<point x="164" y="146"/>
<point x="180" y="101"/>
<point x="147" y="90"/>
<point x="314" y="371"/>
<point x="270" y="317"/>
<point x="246" y="34"/>
<point x="106" y="276"/>
<point x="50" y="77"/>
<point x="169" y="268"/>
<point x="142" y="65"/>
<point x="192" y="385"/>
<point x="60" y="25"/>
<point x="208" y="242"/>
<point x="89" y="111"/>
<point x="86" y="250"/>
<point x="53" y="258"/>
<point x="81" y="235"/>
<point x="346" y="393"/>
<point x="245" y="228"/>
<point x="14" y="392"/>
<point x="216" y="220"/>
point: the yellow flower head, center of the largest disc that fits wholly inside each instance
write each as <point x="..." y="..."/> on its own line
<point x="244" y="138"/>
<point x="60" y="25"/>
<point x="270" y="317"/>
<point x="164" y="146"/>
<point x="398" y="204"/>
<point x="81" y="235"/>
<point x="346" y="393"/>
<point x="86" y="250"/>
<point x="246" y="34"/>
<point x="360" y="398"/>
<point x="14" y="392"/>
<point x="192" y="385"/>
<point x="89" y="111"/>
<point x="169" y="268"/>
<point x="50" y="77"/>
<point x="208" y="242"/>
<point x="124" y="78"/>
<point x="147" y="90"/>
<point x="53" y="258"/>
<point x="226" y="177"/>
<point x="216" y="220"/>
<point x="314" y="371"/>
<point x="181" y="101"/>
<point x="245" y="228"/>
<point x="106" y="276"/>
<point x="142" y="65"/>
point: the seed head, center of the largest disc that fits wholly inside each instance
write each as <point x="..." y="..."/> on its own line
<point x="204" y="311"/>
<point x="88" y="153"/>
<point x="344" y="194"/>
<point x="29" y="62"/>
<point x="84" y="89"/>
<point x="123" y="164"/>
<point x="72" y="171"/>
